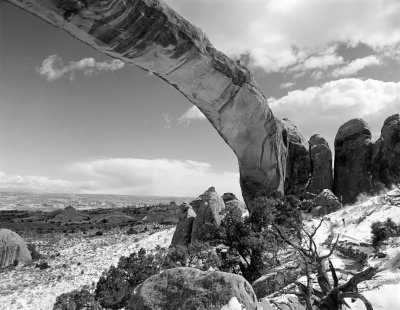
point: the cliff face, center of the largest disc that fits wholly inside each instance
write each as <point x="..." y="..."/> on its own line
<point x="149" y="34"/>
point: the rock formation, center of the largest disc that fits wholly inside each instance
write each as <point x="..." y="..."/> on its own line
<point x="353" y="150"/>
<point x="298" y="159"/>
<point x="386" y="153"/>
<point x="321" y="165"/>
<point x="191" y="289"/>
<point x="12" y="248"/>
<point x="326" y="202"/>
<point x="183" y="231"/>
<point x="149" y="34"/>
<point x="228" y="196"/>
<point x="208" y="214"/>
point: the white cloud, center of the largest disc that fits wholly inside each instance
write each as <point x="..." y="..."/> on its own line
<point x="38" y="183"/>
<point x="287" y="85"/>
<point x="168" y="120"/>
<point x="318" y="62"/>
<point x="131" y="176"/>
<point x="190" y="115"/>
<point x="356" y="65"/>
<point x="53" y="67"/>
<point x="323" y="109"/>
<point x="282" y="33"/>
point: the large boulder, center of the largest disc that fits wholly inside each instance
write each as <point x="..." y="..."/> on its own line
<point x="192" y="289"/>
<point x="386" y="153"/>
<point x="353" y="151"/>
<point x="12" y="248"/>
<point x="183" y="231"/>
<point x="321" y="165"/>
<point x="298" y="159"/>
<point x="326" y="202"/>
<point x="208" y="214"/>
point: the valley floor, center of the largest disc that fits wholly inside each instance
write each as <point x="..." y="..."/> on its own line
<point x="75" y="260"/>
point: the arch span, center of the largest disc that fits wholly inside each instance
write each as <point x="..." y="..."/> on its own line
<point x="152" y="36"/>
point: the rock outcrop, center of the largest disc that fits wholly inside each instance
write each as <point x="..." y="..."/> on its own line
<point x="353" y="151"/>
<point x="386" y="153"/>
<point x="12" y="249"/>
<point x="183" y="231"/>
<point x="321" y="165"/>
<point x="326" y="202"/>
<point x="298" y="159"/>
<point x="228" y="196"/>
<point x="151" y="35"/>
<point x="191" y="289"/>
<point x="208" y="214"/>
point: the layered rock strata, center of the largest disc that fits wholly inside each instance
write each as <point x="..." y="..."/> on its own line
<point x="149" y="34"/>
<point x="353" y="151"/>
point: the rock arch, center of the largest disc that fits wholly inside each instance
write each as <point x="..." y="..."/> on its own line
<point x="152" y="36"/>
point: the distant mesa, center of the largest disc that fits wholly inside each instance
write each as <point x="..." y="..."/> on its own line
<point x="69" y="215"/>
<point x="12" y="249"/>
<point x="116" y="217"/>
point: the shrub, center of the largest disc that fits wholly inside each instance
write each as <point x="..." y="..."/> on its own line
<point x="132" y="231"/>
<point x="116" y="285"/>
<point x="42" y="265"/>
<point x="253" y="238"/>
<point x="77" y="300"/>
<point x="381" y="231"/>
<point x="99" y="233"/>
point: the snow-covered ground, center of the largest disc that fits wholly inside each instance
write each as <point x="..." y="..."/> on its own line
<point x="353" y="224"/>
<point x="81" y="261"/>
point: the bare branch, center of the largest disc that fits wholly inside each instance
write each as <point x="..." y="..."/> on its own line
<point x="357" y="296"/>
<point x="351" y="285"/>
<point x="333" y="272"/>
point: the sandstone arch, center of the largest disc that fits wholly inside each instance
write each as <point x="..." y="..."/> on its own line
<point x="154" y="37"/>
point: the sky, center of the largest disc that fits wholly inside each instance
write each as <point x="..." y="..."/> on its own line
<point x="74" y="120"/>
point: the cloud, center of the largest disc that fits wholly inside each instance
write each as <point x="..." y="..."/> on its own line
<point x="287" y="85"/>
<point x="281" y="33"/>
<point x="53" y="67"/>
<point x="356" y="65"/>
<point x="39" y="184"/>
<point x="163" y="177"/>
<point x="168" y="120"/>
<point x="131" y="176"/>
<point x="191" y="114"/>
<point x="323" y="109"/>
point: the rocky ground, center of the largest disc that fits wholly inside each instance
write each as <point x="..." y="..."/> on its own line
<point x="75" y="260"/>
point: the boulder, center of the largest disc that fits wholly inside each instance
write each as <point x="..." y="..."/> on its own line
<point x="298" y="159"/>
<point x="353" y="151"/>
<point x="207" y="214"/>
<point x="237" y="204"/>
<point x="228" y="196"/>
<point x="321" y="165"/>
<point x="12" y="248"/>
<point x="326" y="202"/>
<point x="192" y="289"/>
<point x="183" y="231"/>
<point x="386" y="153"/>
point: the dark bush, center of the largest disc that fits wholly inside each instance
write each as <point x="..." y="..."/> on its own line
<point x="253" y="238"/>
<point x="116" y="285"/>
<point x="34" y="253"/>
<point x="43" y="266"/>
<point x="99" y="233"/>
<point x="77" y="300"/>
<point x="132" y="231"/>
<point x="381" y="231"/>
